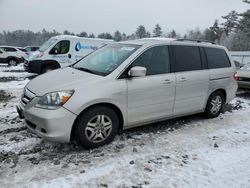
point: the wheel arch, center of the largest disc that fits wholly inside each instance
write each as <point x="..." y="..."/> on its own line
<point x="223" y="91"/>
<point x="12" y="57"/>
<point x="50" y="62"/>
<point x="114" y="107"/>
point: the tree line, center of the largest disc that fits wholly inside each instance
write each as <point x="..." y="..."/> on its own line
<point x="233" y="32"/>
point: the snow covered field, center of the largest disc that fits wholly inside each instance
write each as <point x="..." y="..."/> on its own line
<point x="184" y="152"/>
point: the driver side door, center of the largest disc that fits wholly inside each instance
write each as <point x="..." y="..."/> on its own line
<point x="151" y="97"/>
<point x="61" y="53"/>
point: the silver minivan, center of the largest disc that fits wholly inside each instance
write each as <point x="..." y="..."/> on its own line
<point x="128" y="84"/>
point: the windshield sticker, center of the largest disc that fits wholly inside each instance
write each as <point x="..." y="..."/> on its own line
<point x="80" y="46"/>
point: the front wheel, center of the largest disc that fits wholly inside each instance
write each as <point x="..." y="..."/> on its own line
<point x="96" y="127"/>
<point x="215" y="104"/>
<point x="12" y="62"/>
<point x="47" y="68"/>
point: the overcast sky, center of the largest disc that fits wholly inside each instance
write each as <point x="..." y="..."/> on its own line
<point x="96" y="16"/>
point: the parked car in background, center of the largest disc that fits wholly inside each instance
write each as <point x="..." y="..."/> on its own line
<point x="241" y="58"/>
<point x="244" y="77"/>
<point x="25" y="54"/>
<point x="3" y="56"/>
<point x="13" y="55"/>
<point x="62" y="51"/>
<point x="128" y="84"/>
<point x="31" y="49"/>
<point x="17" y="54"/>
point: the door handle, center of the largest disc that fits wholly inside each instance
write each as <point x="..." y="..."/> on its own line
<point x="167" y="81"/>
<point x="183" y="79"/>
<point x="69" y="55"/>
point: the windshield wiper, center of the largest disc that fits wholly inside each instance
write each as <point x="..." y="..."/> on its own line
<point x="87" y="70"/>
<point x="84" y="69"/>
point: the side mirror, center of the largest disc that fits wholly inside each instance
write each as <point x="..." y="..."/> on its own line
<point x="137" y="71"/>
<point x="54" y="51"/>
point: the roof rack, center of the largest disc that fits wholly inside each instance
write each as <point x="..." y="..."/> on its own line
<point x="194" y="40"/>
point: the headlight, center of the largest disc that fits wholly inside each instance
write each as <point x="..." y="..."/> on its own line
<point x="54" y="100"/>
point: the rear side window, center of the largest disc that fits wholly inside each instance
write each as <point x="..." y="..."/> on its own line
<point x="7" y="49"/>
<point x="217" y="58"/>
<point x="187" y="58"/>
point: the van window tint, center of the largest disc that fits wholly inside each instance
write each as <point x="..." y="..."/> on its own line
<point x="61" y="47"/>
<point x="217" y="58"/>
<point x="155" y="60"/>
<point x="187" y="58"/>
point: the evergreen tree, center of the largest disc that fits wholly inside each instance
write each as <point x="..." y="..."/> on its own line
<point x="117" y="36"/>
<point x="244" y="23"/>
<point x="105" y="36"/>
<point x="66" y="32"/>
<point x="83" y="34"/>
<point x="231" y="22"/>
<point x="141" y="32"/>
<point x="157" y="31"/>
<point x="124" y="37"/>
<point x="91" y="35"/>
<point x="216" y="31"/>
<point x="172" y="34"/>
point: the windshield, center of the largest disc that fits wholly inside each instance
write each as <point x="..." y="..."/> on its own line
<point x="22" y="49"/>
<point x="107" y="59"/>
<point x="47" y="44"/>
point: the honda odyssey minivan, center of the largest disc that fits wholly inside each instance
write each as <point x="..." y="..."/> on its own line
<point x="128" y="84"/>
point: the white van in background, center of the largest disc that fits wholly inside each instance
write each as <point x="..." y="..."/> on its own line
<point x="62" y="51"/>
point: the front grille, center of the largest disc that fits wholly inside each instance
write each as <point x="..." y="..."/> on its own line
<point x="27" y="96"/>
<point x="243" y="79"/>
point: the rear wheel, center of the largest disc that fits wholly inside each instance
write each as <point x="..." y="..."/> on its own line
<point x="47" y="68"/>
<point x="12" y="62"/>
<point x="215" y="104"/>
<point x="96" y="127"/>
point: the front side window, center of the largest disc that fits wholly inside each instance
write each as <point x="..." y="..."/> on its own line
<point x="155" y="60"/>
<point x="105" y="60"/>
<point x="61" y="47"/>
<point x="217" y="58"/>
<point x="187" y="58"/>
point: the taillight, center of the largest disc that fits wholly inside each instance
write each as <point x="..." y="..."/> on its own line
<point x="235" y="76"/>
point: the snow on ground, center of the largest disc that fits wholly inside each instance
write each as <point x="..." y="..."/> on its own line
<point x="185" y="152"/>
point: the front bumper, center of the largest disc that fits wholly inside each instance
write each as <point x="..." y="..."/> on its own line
<point x="34" y="66"/>
<point x="53" y="125"/>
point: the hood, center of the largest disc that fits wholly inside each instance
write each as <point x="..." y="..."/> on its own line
<point x="34" y="55"/>
<point x="244" y="72"/>
<point x="60" y="79"/>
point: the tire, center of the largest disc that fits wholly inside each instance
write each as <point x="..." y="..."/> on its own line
<point x="12" y="62"/>
<point x="90" y="129"/>
<point x="215" y="104"/>
<point x="47" y="68"/>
